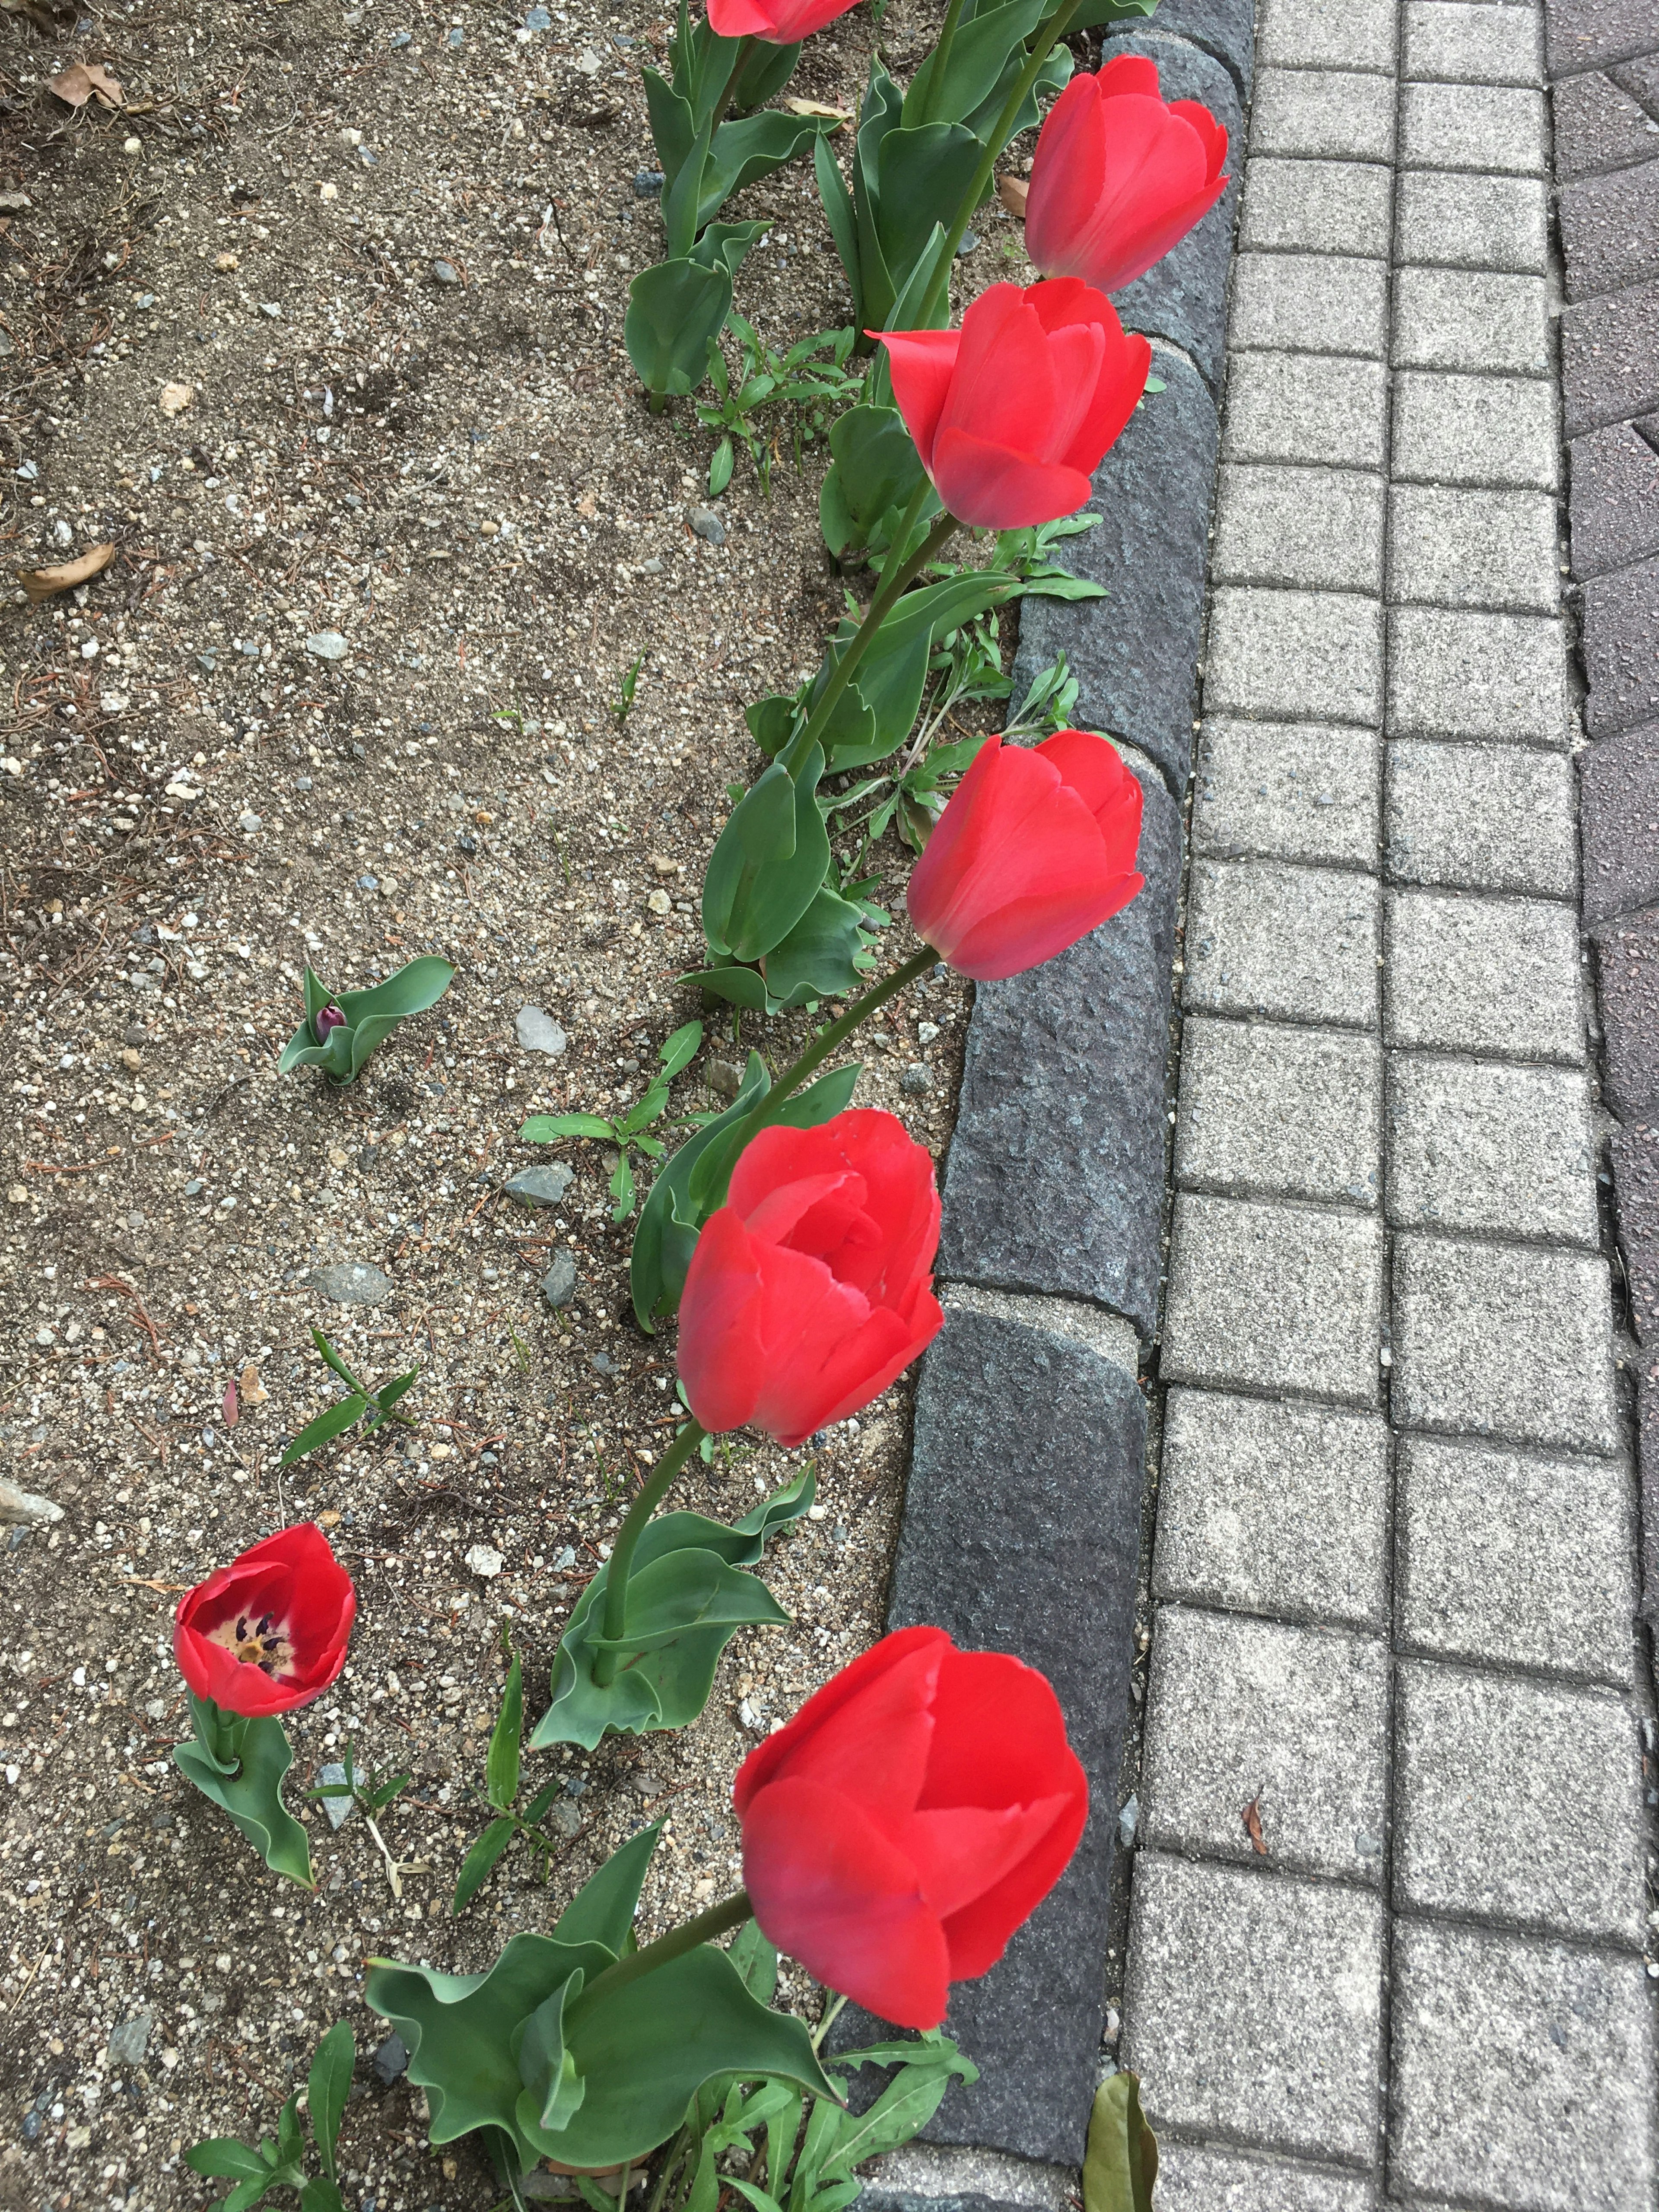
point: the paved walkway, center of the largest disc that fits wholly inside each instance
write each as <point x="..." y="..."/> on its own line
<point x="1390" y="1898"/>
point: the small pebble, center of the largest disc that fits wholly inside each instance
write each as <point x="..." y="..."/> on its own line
<point x="539" y="1186"/>
<point x="485" y="1560"/>
<point x="391" y="2059"/>
<point x="339" y="1809"/>
<point x="539" y="1032"/>
<point x="917" y="1081"/>
<point x="446" y="273"/>
<point x="707" y="525"/>
<point x="558" y="1288"/>
<point x="722" y="1078"/>
<point x="327" y="645"/>
<point x="1128" y="1821"/>
<point x="647" y="183"/>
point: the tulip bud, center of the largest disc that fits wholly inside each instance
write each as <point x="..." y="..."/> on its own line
<point x="329" y="1017"/>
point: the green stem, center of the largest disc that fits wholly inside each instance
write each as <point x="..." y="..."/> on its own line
<point x="1049" y="33"/>
<point x="731" y="1912"/>
<point x="745" y="47"/>
<point x="831" y="1039"/>
<point x="605" y="1664"/>
<point x="898" y="578"/>
<point x="947" y="38"/>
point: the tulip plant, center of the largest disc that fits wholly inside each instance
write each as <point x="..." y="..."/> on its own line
<point x="339" y="1034"/>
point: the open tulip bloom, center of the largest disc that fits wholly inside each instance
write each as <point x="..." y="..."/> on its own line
<point x="778" y="22"/>
<point x="259" y="1638"/>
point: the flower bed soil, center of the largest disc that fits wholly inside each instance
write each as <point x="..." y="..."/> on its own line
<point x="460" y="482"/>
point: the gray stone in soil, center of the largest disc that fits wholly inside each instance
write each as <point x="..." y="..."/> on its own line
<point x="1597" y="126"/>
<point x="1628" y="976"/>
<point x="1620" y="639"/>
<point x="559" y="1283"/>
<point x="1253" y="2007"/>
<point x="1522" y="2072"/>
<point x="1318" y="35"/>
<point x="1191" y="2178"/>
<point x="1470" y="318"/>
<point x="1323" y="113"/>
<point x="1055" y="1178"/>
<point x="352" y="1283"/>
<point x="1312" y="655"/>
<point x="1294" y="943"/>
<point x="1610" y="229"/>
<point x="1512" y="1558"/>
<point x="1610" y="357"/>
<point x="1495" y="430"/>
<point x="538" y="1032"/>
<point x="1292" y="1721"/>
<point x="1309" y="303"/>
<point x="1462" y="222"/>
<point x="707" y="525"/>
<point x="390" y="2059"/>
<point x="1315" y="529"/>
<point x="1492" y="1148"/>
<point x="1481" y="817"/>
<point x="539" y="1186"/>
<point x="1315" y="207"/>
<point x="1454" y="674"/>
<point x="339" y="1809"/>
<point x="1306" y="408"/>
<point x="1615" y="500"/>
<point x="1151" y="494"/>
<point x="1498" y="1340"/>
<point x="130" y="2041"/>
<point x="1448" y="41"/>
<point x="1286" y="791"/>
<point x="1487" y="975"/>
<point x="1274" y="1508"/>
<point x="1050" y="1575"/>
<point x="1223" y="29"/>
<point x="1271" y="1112"/>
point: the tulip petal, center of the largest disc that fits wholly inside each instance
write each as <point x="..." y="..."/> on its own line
<point x="1128" y="73"/>
<point x="855" y="1680"/>
<point x="878" y="1747"/>
<point x="721" y="1356"/>
<point x="292" y="1576"/>
<point x="1212" y="135"/>
<point x="1068" y="175"/>
<point x="990" y="487"/>
<point x="824" y="1349"/>
<point x="740" y="19"/>
<point x="830" y="1890"/>
<point x="961" y="1852"/>
<point x="1004" y="388"/>
<point x="921" y="364"/>
<point x="1093" y="768"/>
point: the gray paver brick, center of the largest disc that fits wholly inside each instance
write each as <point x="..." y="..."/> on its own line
<point x="1479" y="43"/>
<point x="1492" y="1148"/>
<point x="1306" y="407"/>
<point x="1334" y="112"/>
<point x="1294" y="1720"/>
<point x="1522" y="2072"/>
<point x="1496" y="430"/>
<point x="1452" y="675"/>
<point x="1191" y="2178"/>
<point x="1474" y="549"/>
<point x="1309" y="303"/>
<point x="1496" y="976"/>
<point x="1470" y="318"/>
<point x="1318" y="529"/>
<point x="1274" y="1297"/>
<point x="1518" y="1801"/>
<point x="1498" y="1340"/>
<point x="1284" y="1113"/>
<point x="1317" y="207"/>
<point x="1462" y="222"/>
<point x="1337" y="34"/>
<point x="1294" y="943"/>
<point x="1497" y="129"/>
<point x="1482" y="817"/>
<point x="1253" y="2007"/>
<point x="1516" y="1559"/>
<point x="1274" y="1508"/>
<point x="1287" y="790"/>
<point x="1313" y="654"/>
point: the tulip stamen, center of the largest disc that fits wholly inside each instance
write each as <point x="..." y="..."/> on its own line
<point x="263" y="1644"/>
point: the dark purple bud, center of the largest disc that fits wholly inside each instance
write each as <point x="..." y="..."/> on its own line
<point x="328" y="1017"/>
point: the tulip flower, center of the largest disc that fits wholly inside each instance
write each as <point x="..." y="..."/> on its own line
<point x="912" y="1814"/>
<point x="270" y="1632"/>
<point x="1012" y="413"/>
<point x="1119" y="176"/>
<point x="1036" y="848"/>
<point x="811" y="1288"/>
<point x="328" y="1017"/>
<point x="778" y="22"/>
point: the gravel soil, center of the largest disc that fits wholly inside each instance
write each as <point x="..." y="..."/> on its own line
<point x="322" y="331"/>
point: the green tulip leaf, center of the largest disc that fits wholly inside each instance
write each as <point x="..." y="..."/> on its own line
<point x="603" y="1908"/>
<point x="1099" y="13"/>
<point x="327" y="2088"/>
<point x="843" y="223"/>
<point x="415" y="987"/>
<point x="980" y="55"/>
<point x="739" y="987"/>
<point x="553" y="2089"/>
<point x="1121" y="2163"/>
<point x="317" y="992"/>
<point x="252" y="1795"/>
<point x="764" y="75"/>
<point x="772" y="722"/>
<point x="762" y="878"/>
<point x="479" y="1863"/>
<point x="326" y="1427"/>
<point x="685" y="1601"/>
<point x="319" y="2194"/>
<point x="370" y="1018"/>
<point x="876" y="462"/>
<point x="671" y="126"/>
<point x="753" y="147"/>
<point x="723" y="245"/>
<point x="819" y="958"/>
<point x="921" y="177"/>
<point x="675" y="311"/>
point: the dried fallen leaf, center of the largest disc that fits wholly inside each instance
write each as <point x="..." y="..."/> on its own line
<point x="175" y="398"/>
<point x="1011" y="191"/>
<point x="84" y="81"/>
<point x="228" y="1406"/>
<point x="1253" y="1827"/>
<point x="63" y="575"/>
<point x="254" y="1391"/>
<point x="839" y="115"/>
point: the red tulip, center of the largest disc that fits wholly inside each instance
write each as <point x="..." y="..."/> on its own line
<point x="812" y="1287"/>
<point x="908" y="1820"/>
<point x="269" y="1631"/>
<point x="1119" y="177"/>
<point x="779" y="22"/>
<point x="1012" y="413"/>
<point x="1036" y="848"/>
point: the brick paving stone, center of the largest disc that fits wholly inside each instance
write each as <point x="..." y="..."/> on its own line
<point x="1282" y="1113"/>
<point x="1474" y="222"/>
<point x="1318" y="654"/>
<point x="1481" y="818"/>
<point x="1502" y="676"/>
<point x="1618" y="800"/>
<point x="1318" y="529"/>
<point x="1496" y="976"/>
<point x="1522" y="2072"/>
<point x="1286" y="791"/>
<point x="1487" y="549"/>
<point x="1470" y="318"/>
<point x="1639" y="77"/>
<point x="1592" y="33"/>
<point x="1295" y="944"/>
<point x="1309" y="303"/>
<point x="1518" y="1801"/>
<point x="1485" y="1146"/>
<point x="1610" y="357"/>
<point x="1305" y="407"/>
<point x="1482" y="44"/>
<point x="1292" y="1720"/>
<point x="1273" y="1297"/>
<point x="1191" y="2178"/>
<point x="1615" y="499"/>
<point x="1620" y="631"/>
<point x="1499" y="1340"/>
<point x="1597" y="126"/>
<point x="1333" y="113"/>
<point x="1628" y="982"/>
<point x="1515" y="1559"/>
<point x="1274" y="1508"/>
<point x="1498" y="129"/>
<point x="1337" y="34"/>
<point x="1491" y="430"/>
<point x="1635" y="1154"/>
<point x="1253" y="2007"/>
<point x="1610" y="229"/>
<point x="1316" y="207"/>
